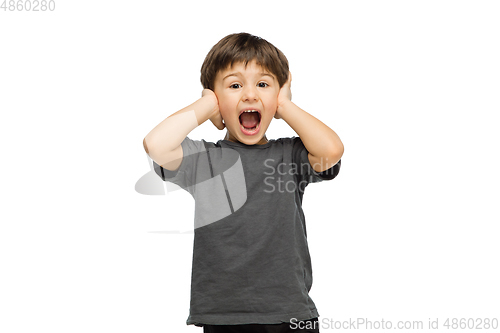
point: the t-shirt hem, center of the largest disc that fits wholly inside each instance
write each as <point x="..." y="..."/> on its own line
<point x="241" y="319"/>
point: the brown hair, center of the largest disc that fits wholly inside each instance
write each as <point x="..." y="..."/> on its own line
<point x="243" y="47"/>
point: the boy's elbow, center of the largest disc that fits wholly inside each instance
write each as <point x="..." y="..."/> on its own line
<point x="340" y="150"/>
<point x="145" y="146"/>
<point x="336" y="152"/>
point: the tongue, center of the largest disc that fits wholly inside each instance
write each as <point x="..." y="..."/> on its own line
<point x="249" y="119"/>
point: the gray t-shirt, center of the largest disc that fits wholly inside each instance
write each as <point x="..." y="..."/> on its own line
<point x="251" y="261"/>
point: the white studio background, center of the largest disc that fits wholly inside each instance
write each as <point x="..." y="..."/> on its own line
<point x="408" y="230"/>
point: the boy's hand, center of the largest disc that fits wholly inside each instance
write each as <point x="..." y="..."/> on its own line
<point x="215" y="117"/>
<point x="285" y="95"/>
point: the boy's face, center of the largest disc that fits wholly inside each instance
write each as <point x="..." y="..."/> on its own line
<point x="248" y="98"/>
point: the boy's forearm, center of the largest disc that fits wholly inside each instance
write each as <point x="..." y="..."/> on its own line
<point x="170" y="133"/>
<point x="320" y="140"/>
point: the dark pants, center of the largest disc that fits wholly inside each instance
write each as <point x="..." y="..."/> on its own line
<point x="303" y="326"/>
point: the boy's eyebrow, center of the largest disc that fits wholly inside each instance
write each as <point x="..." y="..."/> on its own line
<point x="239" y="74"/>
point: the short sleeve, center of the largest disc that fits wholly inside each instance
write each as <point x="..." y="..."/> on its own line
<point x="185" y="175"/>
<point x="305" y="171"/>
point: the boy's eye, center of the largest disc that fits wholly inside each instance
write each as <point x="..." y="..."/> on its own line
<point x="237" y="85"/>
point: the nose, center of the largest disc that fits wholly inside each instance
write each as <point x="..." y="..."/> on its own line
<point x="250" y="93"/>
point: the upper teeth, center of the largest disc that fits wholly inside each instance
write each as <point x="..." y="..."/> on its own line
<point x="250" y="111"/>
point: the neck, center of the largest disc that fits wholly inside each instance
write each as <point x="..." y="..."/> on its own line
<point x="230" y="137"/>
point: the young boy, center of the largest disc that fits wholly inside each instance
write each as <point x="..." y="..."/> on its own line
<point x="251" y="266"/>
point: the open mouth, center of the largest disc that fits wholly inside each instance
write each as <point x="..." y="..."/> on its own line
<point x="250" y="121"/>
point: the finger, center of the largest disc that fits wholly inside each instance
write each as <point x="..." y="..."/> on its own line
<point x="222" y="124"/>
<point x="217" y="121"/>
<point x="217" y="124"/>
